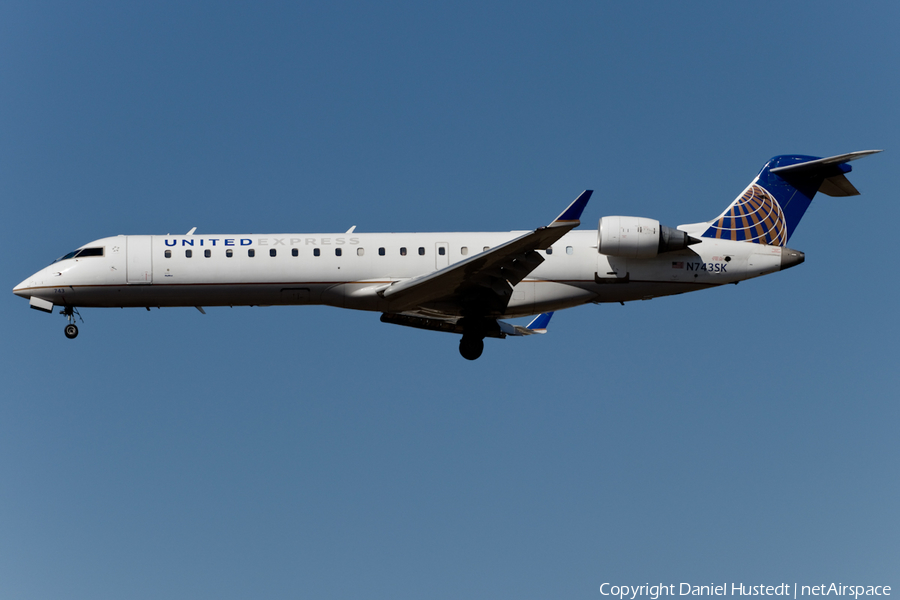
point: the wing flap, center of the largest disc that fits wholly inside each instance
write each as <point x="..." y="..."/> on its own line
<point x="496" y="329"/>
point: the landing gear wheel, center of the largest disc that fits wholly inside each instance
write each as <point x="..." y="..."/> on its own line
<point x="71" y="331"/>
<point x="471" y="347"/>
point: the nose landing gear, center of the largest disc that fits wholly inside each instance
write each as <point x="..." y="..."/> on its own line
<point x="71" y="329"/>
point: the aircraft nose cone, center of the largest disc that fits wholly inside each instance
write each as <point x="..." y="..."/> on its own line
<point x="22" y="289"/>
<point x="791" y="258"/>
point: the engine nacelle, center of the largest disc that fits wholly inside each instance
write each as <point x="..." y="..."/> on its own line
<point x="637" y="237"/>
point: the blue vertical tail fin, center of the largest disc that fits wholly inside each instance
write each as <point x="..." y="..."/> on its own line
<point x="769" y="210"/>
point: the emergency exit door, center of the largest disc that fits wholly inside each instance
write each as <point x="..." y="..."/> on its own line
<point x="441" y="255"/>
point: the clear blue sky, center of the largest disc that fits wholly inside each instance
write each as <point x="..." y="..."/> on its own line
<point x="744" y="434"/>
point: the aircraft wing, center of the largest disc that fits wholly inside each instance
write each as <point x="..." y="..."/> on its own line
<point x="483" y="283"/>
<point x="499" y="329"/>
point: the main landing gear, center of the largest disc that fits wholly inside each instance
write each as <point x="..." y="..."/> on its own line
<point x="71" y="329"/>
<point x="471" y="346"/>
<point x="474" y="330"/>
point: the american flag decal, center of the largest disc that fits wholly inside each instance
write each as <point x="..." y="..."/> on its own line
<point x="678" y="265"/>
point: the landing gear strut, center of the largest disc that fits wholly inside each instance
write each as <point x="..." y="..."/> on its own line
<point x="471" y="347"/>
<point x="71" y="329"/>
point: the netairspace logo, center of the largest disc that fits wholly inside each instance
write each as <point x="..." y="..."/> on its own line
<point x="632" y="592"/>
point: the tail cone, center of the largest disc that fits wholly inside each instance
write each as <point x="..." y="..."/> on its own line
<point x="791" y="258"/>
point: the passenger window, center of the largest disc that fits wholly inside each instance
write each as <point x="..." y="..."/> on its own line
<point x="421" y="251"/>
<point x="442" y="251"/>
<point x="316" y="251"/>
<point x="168" y="254"/>
<point x="295" y="252"/>
<point x="229" y="253"/>
<point x="207" y="253"/>
<point x="464" y="250"/>
<point x="188" y="253"/>
<point x="251" y="252"/>
<point x="402" y="251"/>
<point x="272" y="252"/>
<point x="381" y="252"/>
<point x="337" y="251"/>
<point x="360" y="251"/>
<point x="549" y="250"/>
<point x="569" y="250"/>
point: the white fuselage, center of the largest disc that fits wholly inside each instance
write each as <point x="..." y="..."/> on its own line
<point x="349" y="270"/>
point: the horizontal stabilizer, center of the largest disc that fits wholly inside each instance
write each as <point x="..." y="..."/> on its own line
<point x="838" y="186"/>
<point x="831" y="171"/>
<point x="822" y="163"/>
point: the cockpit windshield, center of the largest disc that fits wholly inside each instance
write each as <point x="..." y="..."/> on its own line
<point x="81" y="253"/>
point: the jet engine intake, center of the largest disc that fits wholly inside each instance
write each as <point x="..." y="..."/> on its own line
<point x="638" y="237"/>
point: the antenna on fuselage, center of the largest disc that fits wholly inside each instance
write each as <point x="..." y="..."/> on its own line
<point x="191" y="232"/>
<point x="351" y="229"/>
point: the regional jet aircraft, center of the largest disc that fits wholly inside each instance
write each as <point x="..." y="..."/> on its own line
<point x="462" y="283"/>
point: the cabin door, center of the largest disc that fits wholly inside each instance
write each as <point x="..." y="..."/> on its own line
<point x="139" y="265"/>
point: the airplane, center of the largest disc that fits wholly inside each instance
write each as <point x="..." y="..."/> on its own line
<point x="456" y="282"/>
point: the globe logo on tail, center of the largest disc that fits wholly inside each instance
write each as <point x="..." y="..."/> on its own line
<point x="755" y="216"/>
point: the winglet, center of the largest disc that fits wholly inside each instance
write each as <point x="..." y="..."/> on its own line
<point x="537" y="325"/>
<point x="570" y="217"/>
<point x="540" y="322"/>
